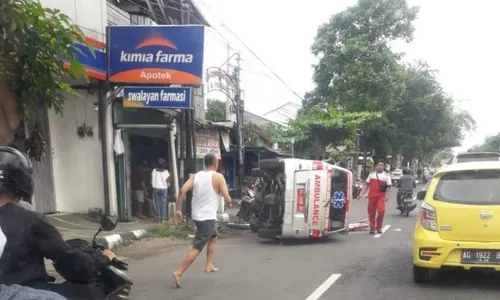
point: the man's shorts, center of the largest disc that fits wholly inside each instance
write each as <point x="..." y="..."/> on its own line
<point x="139" y="196"/>
<point x="205" y="230"/>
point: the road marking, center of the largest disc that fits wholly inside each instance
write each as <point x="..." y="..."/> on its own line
<point x="384" y="229"/>
<point x="323" y="287"/>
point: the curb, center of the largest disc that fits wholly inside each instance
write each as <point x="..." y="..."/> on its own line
<point x="113" y="241"/>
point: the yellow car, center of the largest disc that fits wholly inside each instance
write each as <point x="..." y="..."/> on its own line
<point x="459" y="221"/>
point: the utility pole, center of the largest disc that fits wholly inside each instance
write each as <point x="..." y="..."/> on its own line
<point x="239" y="123"/>
<point x="187" y="122"/>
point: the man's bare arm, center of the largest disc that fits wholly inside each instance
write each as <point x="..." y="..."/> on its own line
<point x="364" y="189"/>
<point x="223" y="189"/>
<point x="188" y="185"/>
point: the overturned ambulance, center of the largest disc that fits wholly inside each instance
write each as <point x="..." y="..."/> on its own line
<point x="299" y="198"/>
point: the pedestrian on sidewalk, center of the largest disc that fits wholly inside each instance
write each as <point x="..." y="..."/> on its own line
<point x="379" y="186"/>
<point x="207" y="186"/>
<point x="160" y="182"/>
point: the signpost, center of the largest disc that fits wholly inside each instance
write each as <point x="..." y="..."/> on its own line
<point x="147" y="59"/>
<point x="157" y="97"/>
<point x="156" y="55"/>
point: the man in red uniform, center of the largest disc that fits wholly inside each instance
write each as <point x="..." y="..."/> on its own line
<point x="379" y="185"/>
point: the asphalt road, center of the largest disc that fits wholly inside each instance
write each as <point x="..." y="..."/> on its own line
<point x="354" y="266"/>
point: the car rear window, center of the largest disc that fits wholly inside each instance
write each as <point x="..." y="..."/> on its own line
<point x="480" y="187"/>
<point x="477" y="157"/>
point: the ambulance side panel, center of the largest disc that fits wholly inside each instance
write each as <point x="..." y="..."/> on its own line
<point x="316" y="199"/>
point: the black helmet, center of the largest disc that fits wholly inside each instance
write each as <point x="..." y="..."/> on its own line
<point x="16" y="175"/>
<point x="406" y="171"/>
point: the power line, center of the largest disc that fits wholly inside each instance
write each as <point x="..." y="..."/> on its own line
<point x="254" y="54"/>
<point x="222" y="39"/>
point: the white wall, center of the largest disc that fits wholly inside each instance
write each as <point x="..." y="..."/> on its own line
<point x="77" y="162"/>
<point x="90" y="15"/>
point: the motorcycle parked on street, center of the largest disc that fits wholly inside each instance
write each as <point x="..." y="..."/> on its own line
<point x="111" y="280"/>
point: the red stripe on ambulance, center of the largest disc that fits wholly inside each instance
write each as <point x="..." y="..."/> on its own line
<point x="328" y="197"/>
<point x="316" y="200"/>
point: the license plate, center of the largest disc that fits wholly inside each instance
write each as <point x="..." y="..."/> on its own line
<point x="408" y="200"/>
<point x="487" y="257"/>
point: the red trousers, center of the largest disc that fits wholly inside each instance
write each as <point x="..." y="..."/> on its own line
<point x="376" y="211"/>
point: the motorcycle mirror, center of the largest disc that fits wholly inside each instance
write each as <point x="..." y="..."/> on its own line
<point x="108" y="223"/>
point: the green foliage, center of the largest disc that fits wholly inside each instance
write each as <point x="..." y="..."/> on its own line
<point x="216" y="110"/>
<point x="490" y="144"/>
<point x="357" y="70"/>
<point x="250" y="134"/>
<point x="425" y="118"/>
<point x="164" y="230"/>
<point x="363" y="87"/>
<point x="33" y="44"/>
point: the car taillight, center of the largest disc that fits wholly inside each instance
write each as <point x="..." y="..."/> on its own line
<point x="300" y="201"/>
<point x="428" y="218"/>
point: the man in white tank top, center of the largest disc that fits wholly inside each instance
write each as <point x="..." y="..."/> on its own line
<point x="207" y="186"/>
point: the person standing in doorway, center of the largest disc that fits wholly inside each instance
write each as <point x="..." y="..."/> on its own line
<point x="139" y="186"/>
<point x="160" y="182"/>
<point x="379" y="185"/>
<point x="207" y="186"/>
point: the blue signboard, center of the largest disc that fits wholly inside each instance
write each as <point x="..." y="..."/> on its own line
<point x="156" y="55"/>
<point x="156" y="97"/>
<point x="95" y="64"/>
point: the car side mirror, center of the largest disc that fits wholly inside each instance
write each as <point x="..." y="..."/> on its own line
<point x="421" y="195"/>
<point x="108" y="223"/>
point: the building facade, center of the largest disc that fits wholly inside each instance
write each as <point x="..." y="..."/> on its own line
<point x="78" y="172"/>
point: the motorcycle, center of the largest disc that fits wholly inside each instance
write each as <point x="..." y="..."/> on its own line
<point x="111" y="280"/>
<point x="358" y="186"/>
<point x="245" y="204"/>
<point x="407" y="204"/>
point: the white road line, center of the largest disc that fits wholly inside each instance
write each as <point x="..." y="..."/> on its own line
<point x="384" y="229"/>
<point x="323" y="287"/>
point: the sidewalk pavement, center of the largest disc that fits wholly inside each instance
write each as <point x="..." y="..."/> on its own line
<point x="79" y="226"/>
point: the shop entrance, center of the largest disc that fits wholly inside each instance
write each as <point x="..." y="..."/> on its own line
<point x="147" y="147"/>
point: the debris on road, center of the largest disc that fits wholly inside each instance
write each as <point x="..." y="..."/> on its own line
<point x="223" y="229"/>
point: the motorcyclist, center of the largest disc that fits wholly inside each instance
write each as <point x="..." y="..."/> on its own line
<point x="406" y="185"/>
<point x="31" y="238"/>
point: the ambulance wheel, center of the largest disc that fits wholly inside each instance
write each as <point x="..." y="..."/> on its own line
<point x="420" y="274"/>
<point x="254" y="227"/>
<point x="270" y="164"/>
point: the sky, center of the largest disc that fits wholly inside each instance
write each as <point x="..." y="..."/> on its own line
<point x="460" y="39"/>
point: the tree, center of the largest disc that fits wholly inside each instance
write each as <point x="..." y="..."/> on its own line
<point x="34" y="45"/>
<point x="357" y="77"/>
<point x="490" y="144"/>
<point x="216" y="110"/>
<point x="316" y="129"/>
<point x="425" y="119"/>
<point x="357" y="69"/>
